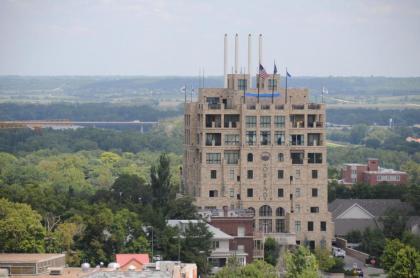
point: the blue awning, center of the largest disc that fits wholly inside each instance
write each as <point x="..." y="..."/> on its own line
<point x="249" y="94"/>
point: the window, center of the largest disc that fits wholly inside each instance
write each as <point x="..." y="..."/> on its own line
<point x="232" y="157"/>
<point x="280" y="174"/>
<point x="272" y="84"/>
<point x="213" y="139"/>
<point x="265" y="225"/>
<point x="280" y="212"/>
<point x="213" y="158"/>
<point x="241" y="231"/>
<point x="280" y="192"/>
<point x="314" y="174"/>
<point x="297" y="140"/>
<point x="232" y="139"/>
<point x="213" y="120"/>
<point x="297" y="173"/>
<point x="250" y="174"/>
<point x="297" y="226"/>
<point x="265" y="211"/>
<point x="314" y="139"/>
<point x="213" y="193"/>
<point x="265" y="137"/>
<point x="297" y="157"/>
<point x="231" y="174"/>
<point x="213" y="174"/>
<point x="323" y="226"/>
<point x="215" y="244"/>
<point x="297" y="208"/>
<point x="251" y="121"/>
<point x="231" y="121"/>
<point x="251" y="137"/>
<point x="297" y="192"/>
<point x="280" y="226"/>
<point x="250" y="192"/>
<point x="314" y="192"/>
<point x="279" y="121"/>
<point x="310" y="226"/>
<point x="265" y="121"/>
<point x="314" y="209"/>
<point x="242" y="84"/>
<point x="315" y="158"/>
<point x="311" y="245"/>
<point x="280" y="157"/>
<point x="250" y="157"/>
<point x="232" y="192"/>
<point x="279" y="137"/>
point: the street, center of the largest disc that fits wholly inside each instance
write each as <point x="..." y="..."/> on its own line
<point x="350" y="261"/>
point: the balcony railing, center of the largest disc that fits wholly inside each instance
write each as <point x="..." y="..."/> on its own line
<point x="214" y="106"/>
<point x="251" y="106"/>
<point x="315" y="124"/>
<point x="265" y="106"/>
<point x="314" y="106"/>
<point x="298" y="106"/>
<point x="279" y="107"/>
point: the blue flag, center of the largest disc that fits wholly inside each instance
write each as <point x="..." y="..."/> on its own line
<point x="288" y="74"/>
<point x="275" y="69"/>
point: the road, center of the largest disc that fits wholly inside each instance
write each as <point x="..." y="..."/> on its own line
<point x="350" y="261"/>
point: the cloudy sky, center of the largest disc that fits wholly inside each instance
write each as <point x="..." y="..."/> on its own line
<point x="177" y="37"/>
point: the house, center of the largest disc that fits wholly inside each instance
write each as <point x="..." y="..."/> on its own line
<point x="238" y="223"/>
<point x="359" y="214"/>
<point x="221" y="249"/>
<point x="132" y="261"/>
<point x="30" y="264"/>
<point x="371" y="174"/>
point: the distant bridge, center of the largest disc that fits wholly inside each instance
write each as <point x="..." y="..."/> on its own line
<point x="40" y="124"/>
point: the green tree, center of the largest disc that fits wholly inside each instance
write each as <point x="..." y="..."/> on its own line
<point x="271" y="251"/>
<point x="160" y="178"/>
<point x="388" y="258"/>
<point x="324" y="258"/>
<point x="373" y="242"/>
<point x="358" y="133"/>
<point x="257" y="269"/>
<point x="407" y="264"/>
<point x="20" y="228"/>
<point x="301" y="263"/>
<point x="394" y="223"/>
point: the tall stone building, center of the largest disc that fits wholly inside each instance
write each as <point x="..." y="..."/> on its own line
<point x="262" y="150"/>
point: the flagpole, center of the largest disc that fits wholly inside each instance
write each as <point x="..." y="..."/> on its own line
<point x="286" y="86"/>
<point x="272" y="84"/>
<point x="258" y="83"/>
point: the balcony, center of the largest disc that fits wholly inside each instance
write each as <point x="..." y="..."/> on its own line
<point x="213" y="121"/>
<point x="298" y="106"/>
<point x="251" y="106"/>
<point x="297" y="121"/>
<point x="314" y="106"/>
<point x="279" y="107"/>
<point x="314" y="139"/>
<point x="265" y="106"/>
<point x="214" y="106"/>
<point x="213" y="139"/>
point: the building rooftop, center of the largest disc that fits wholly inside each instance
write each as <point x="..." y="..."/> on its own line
<point x="27" y="257"/>
<point x="217" y="233"/>
<point x="376" y="207"/>
<point x="385" y="171"/>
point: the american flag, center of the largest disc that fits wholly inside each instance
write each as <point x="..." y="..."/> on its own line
<point x="263" y="73"/>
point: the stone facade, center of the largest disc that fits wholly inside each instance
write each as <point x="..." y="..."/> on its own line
<point x="266" y="154"/>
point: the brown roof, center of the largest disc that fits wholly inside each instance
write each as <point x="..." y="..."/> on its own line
<point x="27" y="257"/>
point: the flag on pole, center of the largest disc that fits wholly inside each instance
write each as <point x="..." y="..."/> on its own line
<point x="324" y="90"/>
<point x="183" y="89"/>
<point x="275" y="68"/>
<point x="288" y="74"/>
<point x="263" y="74"/>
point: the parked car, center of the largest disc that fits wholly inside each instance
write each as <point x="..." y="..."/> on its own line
<point x="338" y="252"/>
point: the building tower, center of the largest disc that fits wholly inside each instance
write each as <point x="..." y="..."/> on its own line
<point x="254" y="149"/>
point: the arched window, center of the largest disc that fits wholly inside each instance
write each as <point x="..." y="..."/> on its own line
<point x="265" y="211"/>
<point x="250" y="157"/>
<point x="279" y="212"/>
<point x="251" y="210"/>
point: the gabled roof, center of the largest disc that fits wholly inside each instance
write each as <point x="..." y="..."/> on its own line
<point x="376" y="207"/>
<point x="124" y="259"/>
<point x="355" y="210"/>
<point x="217" y="233"/>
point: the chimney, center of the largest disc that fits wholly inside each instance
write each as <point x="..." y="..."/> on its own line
<point x="249" y="61"/>
<point x="225" y="70"/>
<point x="236" y="53"/>
<point x="373" y="164"/>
